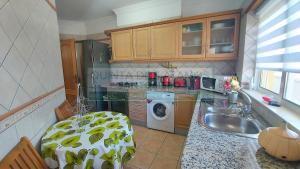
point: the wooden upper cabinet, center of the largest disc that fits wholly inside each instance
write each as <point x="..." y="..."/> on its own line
<point x="122" y="45"/>
<point x="141" y="43"/>
<point x="222" y="37"/>
<point x="206" y="37"/>
<point x="184" y="109"/>
<point x="164" y="41"/>
<point x="192" y="39"/>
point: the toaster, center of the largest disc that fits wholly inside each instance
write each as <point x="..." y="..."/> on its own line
<point x="180" y="82"/>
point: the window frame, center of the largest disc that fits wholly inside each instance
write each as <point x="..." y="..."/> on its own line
<point x="279" y="97"/>
<point x="274" y="94"/>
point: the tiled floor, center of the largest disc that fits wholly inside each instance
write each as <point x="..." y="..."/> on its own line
<point x="156" y="150"/>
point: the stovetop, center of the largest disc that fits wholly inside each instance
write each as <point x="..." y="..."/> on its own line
<point x="125" y="84"/>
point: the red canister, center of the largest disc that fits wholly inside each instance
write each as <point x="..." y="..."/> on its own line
<point x="166" y="81"/>
<point x="152" y="75"/>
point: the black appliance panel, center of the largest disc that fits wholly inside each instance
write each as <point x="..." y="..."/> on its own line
<point x="208" y="83"/>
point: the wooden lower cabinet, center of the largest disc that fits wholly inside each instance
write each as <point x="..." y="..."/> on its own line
<point x="138" y="107"/>
<point x="184" y="108"/>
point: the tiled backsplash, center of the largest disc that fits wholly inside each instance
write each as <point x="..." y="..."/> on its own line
<point x="30" y="65"/>
<point x="138" y="72"/>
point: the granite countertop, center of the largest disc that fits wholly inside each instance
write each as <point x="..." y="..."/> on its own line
<point x="158" y="88"/>
<point x="205" y="148"/>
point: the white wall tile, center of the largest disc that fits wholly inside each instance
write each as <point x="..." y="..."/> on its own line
<point x="36" y="140"/>
<point x="2" y="3"/>
<point x="20" y="98"/>
<point x="40" y="33"/>
<point x="33" y="28"/>
<point x="9" y="21"/>
<point x="20" y="9"/>
<point x="24" y="46"/>
<point x="183" y="69"/>
<point x="35" y="62"/>
<point x="26" y="127"/>
<point x="30" y="84"/>
<point x="37" y="117"/>
<point x="8" y="88"/>
<point x="8" y="139"/>
<point x="14" y="64"/>
<point x="5" y="45"/>
<point x="31" y="5"/>
<point x="2" y="110"/>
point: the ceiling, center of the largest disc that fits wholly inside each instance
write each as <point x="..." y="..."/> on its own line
<point x="82" y="10"/>
<point x="89" y="9"/>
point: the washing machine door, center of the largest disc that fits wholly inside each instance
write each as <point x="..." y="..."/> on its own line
<point x="159" y="111"/>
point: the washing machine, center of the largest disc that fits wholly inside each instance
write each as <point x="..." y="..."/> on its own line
<point x="160" y="111"/>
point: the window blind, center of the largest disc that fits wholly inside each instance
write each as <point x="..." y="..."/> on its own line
<point x="278" y="41"/>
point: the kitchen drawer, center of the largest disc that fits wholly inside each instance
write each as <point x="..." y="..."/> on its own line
<point x="141" y="103"/>
<point x="137" y="95"/>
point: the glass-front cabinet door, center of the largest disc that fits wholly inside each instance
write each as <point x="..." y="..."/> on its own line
<point x="192" y="37"/>
<point x="222" y="37"/>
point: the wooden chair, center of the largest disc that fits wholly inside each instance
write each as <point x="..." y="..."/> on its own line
<point x="64" y="111"/>
<point x="23" y="156"/>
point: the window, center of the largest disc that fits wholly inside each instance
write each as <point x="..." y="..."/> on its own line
<point x="293" y="85"/>
<point x="271" y="80"/>
<point x="278" y="49"/>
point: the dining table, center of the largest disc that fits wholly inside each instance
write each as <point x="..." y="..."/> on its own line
<point x="96" y="140"/>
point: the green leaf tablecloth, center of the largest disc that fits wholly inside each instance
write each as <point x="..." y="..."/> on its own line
<point x="100" y="140"/>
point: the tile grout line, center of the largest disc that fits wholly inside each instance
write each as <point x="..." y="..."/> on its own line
<point x="157" y="153"/>
<point x="18" y="34"/>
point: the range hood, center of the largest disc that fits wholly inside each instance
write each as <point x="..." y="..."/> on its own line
<point x="147" y="12"/>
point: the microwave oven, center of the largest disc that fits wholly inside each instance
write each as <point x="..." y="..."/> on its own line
<point x="214" y="83"/>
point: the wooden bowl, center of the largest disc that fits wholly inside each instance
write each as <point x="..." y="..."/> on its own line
<point x="281" y="143"/>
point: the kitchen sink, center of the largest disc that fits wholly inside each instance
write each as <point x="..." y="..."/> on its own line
<point x="231" y="123"/>
<point x="222" y="119"/>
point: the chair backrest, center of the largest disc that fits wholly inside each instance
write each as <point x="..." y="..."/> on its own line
<point x="64" y="111"/>
<point x="23" y="156"/>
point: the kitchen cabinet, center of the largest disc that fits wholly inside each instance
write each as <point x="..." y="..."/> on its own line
<point x="138" y="106"/>
<point x="184" y="109"/>
<point x="164" y="41"/>
<point x="198" y="38"/>
<point x="117" y="101"/>
<point x="122" y="45"/>
<point x="141" y="43"/>
<point x="222" y="39"/>
<point x="192" y="38"/>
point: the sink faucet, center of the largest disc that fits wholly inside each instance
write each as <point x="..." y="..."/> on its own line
<point x="246" y="105"/>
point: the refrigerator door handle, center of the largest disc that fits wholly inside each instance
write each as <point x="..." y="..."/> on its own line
<point x="93" y="80"/>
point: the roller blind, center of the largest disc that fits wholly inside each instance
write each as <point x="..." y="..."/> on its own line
<point x="278" y="41"/>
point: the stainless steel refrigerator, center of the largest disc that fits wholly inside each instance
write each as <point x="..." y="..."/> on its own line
<point x="95" y="72"/>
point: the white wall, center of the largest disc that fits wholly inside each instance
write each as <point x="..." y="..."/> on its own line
<point x="147" y="12"/>
<point x="30" y="66"/>
<point x="100" y="25"/>
<point x="198" y="7"/>
<point x="72" y="27"/>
